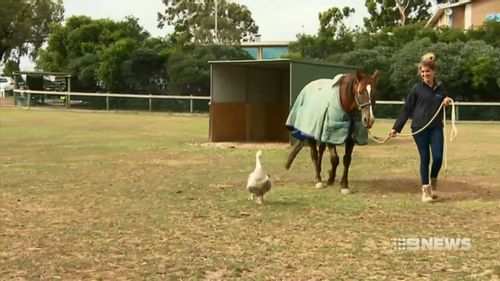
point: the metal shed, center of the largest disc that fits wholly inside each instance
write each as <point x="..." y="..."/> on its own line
<point x="250" y="99"/>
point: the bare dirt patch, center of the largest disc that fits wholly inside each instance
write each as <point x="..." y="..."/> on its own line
<point x="448" y="190"/>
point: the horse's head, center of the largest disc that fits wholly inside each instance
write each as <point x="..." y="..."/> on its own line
<point x="359" y="94"/>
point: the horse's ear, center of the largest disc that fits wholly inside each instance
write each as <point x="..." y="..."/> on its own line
<point x="359" y="75"/>
<point x="375" y="75"/>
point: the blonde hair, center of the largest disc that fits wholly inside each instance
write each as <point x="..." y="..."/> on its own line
<point x="428" y="60"/>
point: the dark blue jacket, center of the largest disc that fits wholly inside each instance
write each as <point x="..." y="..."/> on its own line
<point x="421" y="104"/>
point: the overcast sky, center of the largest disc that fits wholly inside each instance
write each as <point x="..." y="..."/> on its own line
<point x="278" y="20"/>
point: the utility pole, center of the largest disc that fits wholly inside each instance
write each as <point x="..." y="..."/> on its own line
<point x="216" y="32"/>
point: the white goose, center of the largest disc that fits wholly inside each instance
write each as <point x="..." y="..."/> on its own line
<point x="258" y="181"/>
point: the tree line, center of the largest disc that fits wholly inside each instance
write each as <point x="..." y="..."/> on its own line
<point x="120" y="56"/>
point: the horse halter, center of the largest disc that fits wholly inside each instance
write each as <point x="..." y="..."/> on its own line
<point x="358" y="92"/>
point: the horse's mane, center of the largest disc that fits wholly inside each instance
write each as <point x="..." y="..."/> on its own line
<point x="347" y="81"/>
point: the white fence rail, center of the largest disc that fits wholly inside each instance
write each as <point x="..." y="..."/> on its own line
<point x="68" y="95"/>
<point x="193" y="98"/>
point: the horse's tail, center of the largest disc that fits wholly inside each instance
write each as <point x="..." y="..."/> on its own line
<point x="296" y="149"/>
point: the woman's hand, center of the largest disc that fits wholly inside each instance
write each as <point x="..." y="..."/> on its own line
<point x="393" y="133"/>
<point x="447" y="101"/>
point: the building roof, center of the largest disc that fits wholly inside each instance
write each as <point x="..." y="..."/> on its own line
<point x="58" y="74"/>
<point x="278" y="62"/>
<point x="442" y="7"/>
<point x="265" y="43"/>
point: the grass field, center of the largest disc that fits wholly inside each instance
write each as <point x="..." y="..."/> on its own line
<point x="124" y="196"/>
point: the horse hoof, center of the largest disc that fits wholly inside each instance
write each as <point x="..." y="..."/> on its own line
<point x="345" y="191"/>
<point x="319" y="185"/>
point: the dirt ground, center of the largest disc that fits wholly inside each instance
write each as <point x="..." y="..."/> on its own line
<point x="112" y="196"/>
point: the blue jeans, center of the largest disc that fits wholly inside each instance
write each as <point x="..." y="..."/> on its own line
<point x="429" y="140"/>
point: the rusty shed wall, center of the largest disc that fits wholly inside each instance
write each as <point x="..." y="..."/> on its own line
<point x="249" y="103"/>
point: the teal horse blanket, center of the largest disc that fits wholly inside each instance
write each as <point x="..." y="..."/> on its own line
<point x="318" y="114"/>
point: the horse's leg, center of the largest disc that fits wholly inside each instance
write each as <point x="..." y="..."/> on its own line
<point x="344" y="182"/>
<point x="321" y="150"/>
<point x="334" y="160"/>
<point x="322" y="147"/>
<point x="296" y="149"/>
<point x="316" y="163"/>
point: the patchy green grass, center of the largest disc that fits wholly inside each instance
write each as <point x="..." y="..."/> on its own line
<point x="120" y="196"/>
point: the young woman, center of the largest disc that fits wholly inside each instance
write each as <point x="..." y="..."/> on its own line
<point x="422" y="102"/>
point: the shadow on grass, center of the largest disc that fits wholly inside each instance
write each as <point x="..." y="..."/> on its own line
<point x="447" y="190"/>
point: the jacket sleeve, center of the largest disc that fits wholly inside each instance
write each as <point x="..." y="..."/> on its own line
<point x="407" y="111"/>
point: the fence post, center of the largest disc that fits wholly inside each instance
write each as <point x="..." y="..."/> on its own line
<point x="191" y="104"/>
<point x="29" y="100"/>
<point x="150" y="104"/>
<point x="107" y="102"/>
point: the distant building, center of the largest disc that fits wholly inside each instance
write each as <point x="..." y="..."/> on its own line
<point x="263" y="50"/>
<point x="465" y="14"/>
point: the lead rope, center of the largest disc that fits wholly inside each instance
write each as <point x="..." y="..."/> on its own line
<point x="453" y="134"/>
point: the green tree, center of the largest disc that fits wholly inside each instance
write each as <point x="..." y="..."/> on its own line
<point x="25" y="26"/>
<point x="144" y="70"/>
<point x="469" y="70"/>
<point x="9" y="67"/>
<point x="330" y="21"/>
<point x="404" y="73"/>
<point x="367" y="40"/>
<point x="404" y="67"/>
<point x="480" y="64"/>
<point x="83" y="71"/>
<point x="489" y="32"/>
<point x="194" y="21"/>
<point x="386" y="14"/>
<point x="110" y="60"/>
<point x="449" y="35"/>
<point x="378" y="58"/>
<point x="84" y="47"/>
<point x="398" y="37"/>
<point x="333" y="36"/>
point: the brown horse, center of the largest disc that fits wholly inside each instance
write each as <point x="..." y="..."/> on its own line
<point x="357" y="97"/>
